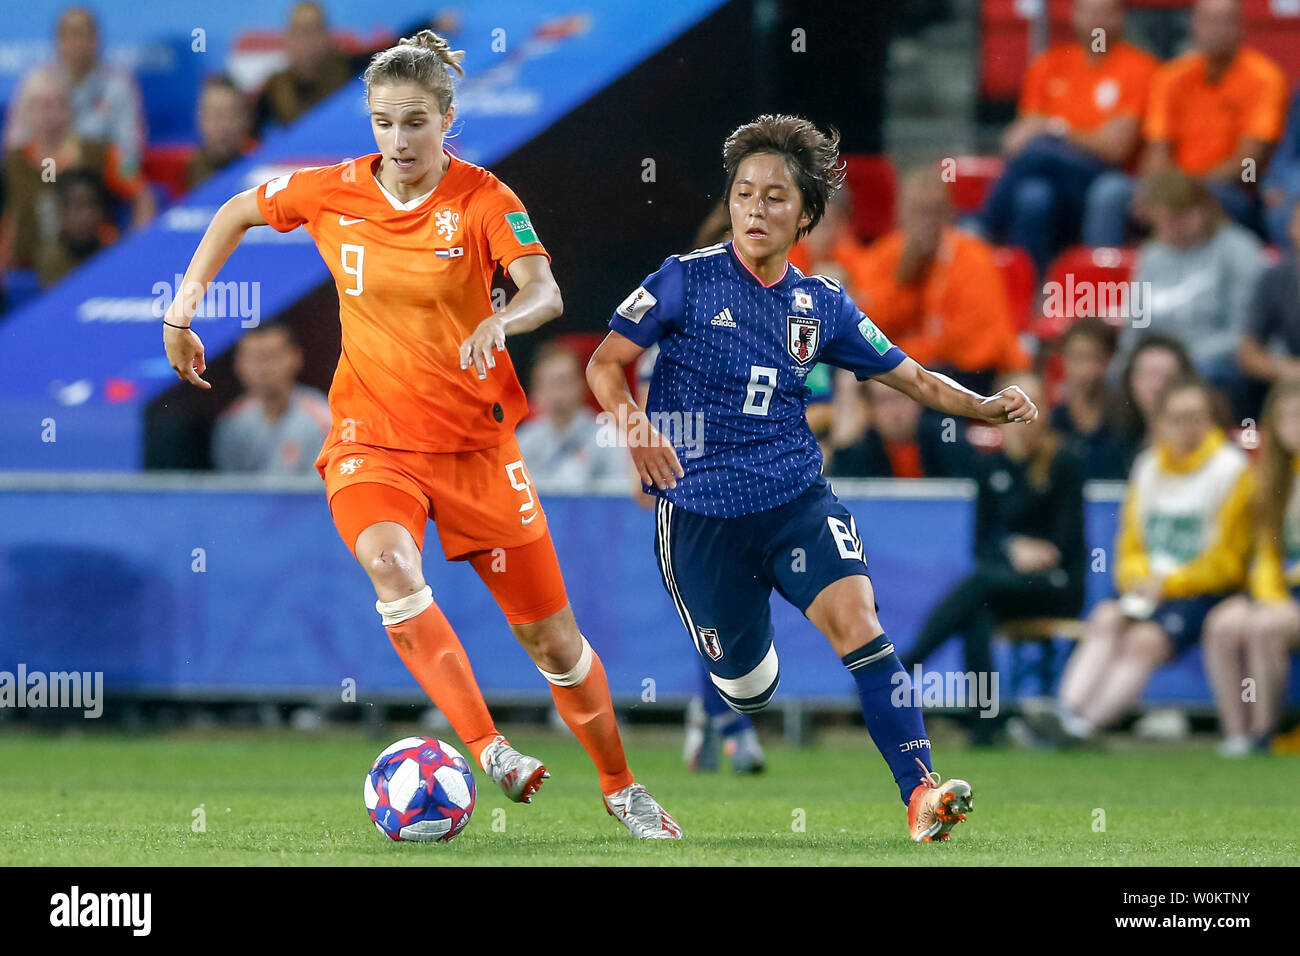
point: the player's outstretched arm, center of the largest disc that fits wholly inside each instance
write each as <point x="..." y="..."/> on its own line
<point x="944" y="395"/>
<point x="536" y="303"/>
<point x="184" y="347"/>
<point x="654" y="456"/>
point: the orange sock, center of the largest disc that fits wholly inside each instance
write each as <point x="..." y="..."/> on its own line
<point x="587" y="709"/>
<point x="431" y="651"/>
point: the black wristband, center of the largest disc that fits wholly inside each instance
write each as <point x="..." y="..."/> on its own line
<point x="174" y="325"/>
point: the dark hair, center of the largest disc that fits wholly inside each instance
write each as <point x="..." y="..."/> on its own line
<point x="221" y="81"/>
<point x="1214" y="399"/>
<point x="1128" y="416"/>
<point x="266" y="328"/>
<point x="811" y="156"/>
<point x="425" y="60"/>
<point x="81" y="176"/>
<point x="1095" y="329"/>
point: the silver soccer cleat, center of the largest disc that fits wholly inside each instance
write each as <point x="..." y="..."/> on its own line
<point x="519" y="775"/>
<point x="639" y="811"/>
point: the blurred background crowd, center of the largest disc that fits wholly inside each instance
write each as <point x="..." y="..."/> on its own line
<point x="1120" y="236"/>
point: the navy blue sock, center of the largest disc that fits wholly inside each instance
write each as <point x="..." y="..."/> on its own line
<point x="896" y="726"/>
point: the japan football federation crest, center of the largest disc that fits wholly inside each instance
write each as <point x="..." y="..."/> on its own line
<point x="802" y="337"/>
<point x="709" y="642"/>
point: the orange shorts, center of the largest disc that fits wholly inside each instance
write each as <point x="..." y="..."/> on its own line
<point x="483" y="503"/>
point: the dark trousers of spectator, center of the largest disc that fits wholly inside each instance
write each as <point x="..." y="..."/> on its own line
<point x="973" y="608"/>
<point x="1038" y="201"/>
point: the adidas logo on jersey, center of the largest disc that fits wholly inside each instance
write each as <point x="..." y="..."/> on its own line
<point x="724" y="319"/>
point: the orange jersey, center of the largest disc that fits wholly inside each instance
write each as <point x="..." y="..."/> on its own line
<point x="1065" y="83"/>
<point x="1202" y="121"/>
<point x="413" y="282"/>
<point x="956" y="315"/>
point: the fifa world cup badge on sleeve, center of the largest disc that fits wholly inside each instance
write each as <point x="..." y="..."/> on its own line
<point x="637" y="304"/>
<point x="522" y="227"/>
<point x="874" y="336"/>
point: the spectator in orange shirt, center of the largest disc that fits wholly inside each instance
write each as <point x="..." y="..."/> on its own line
<point x="1081" y="111"/>
<point x="224" y="121"/>
<point x="937" y="291"/>
<point x="831" y="249"/>
<point x="1215" y="112"/>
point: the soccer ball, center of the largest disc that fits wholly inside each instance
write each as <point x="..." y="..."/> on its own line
<point x="420" y="789"/>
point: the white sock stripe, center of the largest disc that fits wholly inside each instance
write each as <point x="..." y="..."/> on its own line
<point x="666" y="568"/>
<point x="756" y="682"/>
<point x="403" y="609"/>
<point x="883" y="652"/>
<point x="576" y="674"/>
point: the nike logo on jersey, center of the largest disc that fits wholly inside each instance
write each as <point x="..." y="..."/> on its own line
<point x="724" y="319"/>
<point x="345" y="221"/>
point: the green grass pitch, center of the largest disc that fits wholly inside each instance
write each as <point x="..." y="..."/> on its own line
<point x="103" y="798"/>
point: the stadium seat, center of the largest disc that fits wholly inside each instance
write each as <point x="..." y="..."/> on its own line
<point x="1083" y="264"/>
<point x="164" y="164"/>
<point x="872" y="183"/>
<point x="975" y="176"/>
<point x="1018" y="278"/>
<point x="583" y="344"/>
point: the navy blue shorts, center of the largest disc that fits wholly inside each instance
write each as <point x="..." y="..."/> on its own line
<point x="720" y="573"/>
<point x="1183" y="619"/>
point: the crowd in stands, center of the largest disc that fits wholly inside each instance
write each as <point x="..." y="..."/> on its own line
<point x="1190" y="393"/>
<point x="75" y="137"/>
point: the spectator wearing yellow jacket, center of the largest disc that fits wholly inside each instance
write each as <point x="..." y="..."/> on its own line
<point x="1183" y="546"/>
<point x="1249" y="637"/>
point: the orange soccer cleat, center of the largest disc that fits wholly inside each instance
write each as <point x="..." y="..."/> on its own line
<point x="934" y="808"/>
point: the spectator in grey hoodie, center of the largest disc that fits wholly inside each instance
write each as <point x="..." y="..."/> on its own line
<point x="1196" y="276"/>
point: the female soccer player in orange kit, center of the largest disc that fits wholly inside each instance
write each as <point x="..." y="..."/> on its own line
<point x="425" y="401"/>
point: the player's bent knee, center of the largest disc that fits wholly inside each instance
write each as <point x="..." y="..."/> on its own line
<point x="750" y="693"/>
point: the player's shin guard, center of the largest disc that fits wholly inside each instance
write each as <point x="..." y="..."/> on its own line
<point x="582" y="698"/>
<point x="431" y="651"/>
<point x="896" y="726"/>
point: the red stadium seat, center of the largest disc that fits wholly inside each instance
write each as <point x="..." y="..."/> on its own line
<point x="583" y="344"/>
<point x="873" y="185"/>
<point x="1018" y="278"/>
<point x="1073" y="271"/>
<point x="164" y="164"/>
<point x="974" y="177"/>
<point x="1004" y="44"/>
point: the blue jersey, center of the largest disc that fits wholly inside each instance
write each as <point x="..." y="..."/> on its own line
<point x="728" y="388"/>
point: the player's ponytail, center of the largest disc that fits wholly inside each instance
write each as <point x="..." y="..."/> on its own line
<point x="425" y="60"/>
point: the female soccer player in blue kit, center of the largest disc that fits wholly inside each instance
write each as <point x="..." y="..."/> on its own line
<point x="738" y="329"/>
